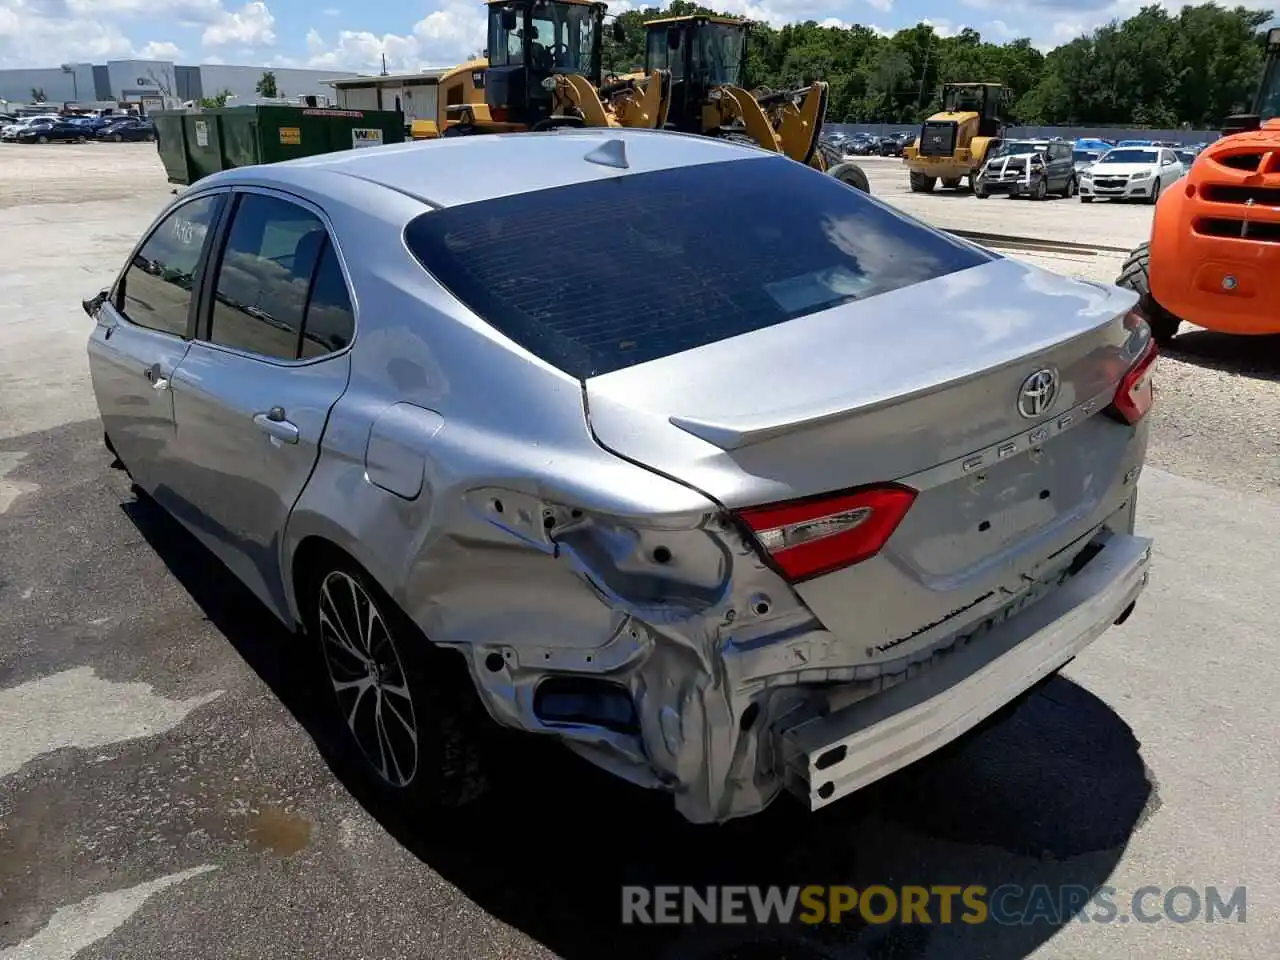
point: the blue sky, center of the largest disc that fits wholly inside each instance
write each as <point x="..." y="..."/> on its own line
<point x="353" y="35"/>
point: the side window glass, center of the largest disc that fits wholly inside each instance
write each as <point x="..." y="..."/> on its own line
<point x="330" y="322"/>
<point x="157" y="286"/>
<point x="264" y="275"/>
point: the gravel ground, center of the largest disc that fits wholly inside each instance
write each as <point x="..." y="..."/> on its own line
<point x="169" y="787"/>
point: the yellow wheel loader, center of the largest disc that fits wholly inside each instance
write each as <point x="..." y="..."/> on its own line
<point x="954" y="144"/>
<point x="706" y="57"/>
<point x="542" y="71"/>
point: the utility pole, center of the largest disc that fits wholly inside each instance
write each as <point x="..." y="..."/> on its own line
<point x="384" y="65"/>
<point x="924" y="73"/>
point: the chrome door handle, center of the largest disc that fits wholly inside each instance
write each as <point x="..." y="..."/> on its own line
<point x="274" y="424"/>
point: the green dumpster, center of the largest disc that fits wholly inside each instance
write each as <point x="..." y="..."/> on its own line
<point x="194" y="145"/>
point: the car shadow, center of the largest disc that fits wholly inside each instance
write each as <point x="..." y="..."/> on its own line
<point x="1248" y="356"/>
<point x="1050" y="795"/>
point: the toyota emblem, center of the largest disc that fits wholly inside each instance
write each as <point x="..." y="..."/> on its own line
<point x="1037" y="393"/>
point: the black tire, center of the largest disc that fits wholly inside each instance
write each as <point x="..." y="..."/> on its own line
<point x="1041" y="191"/>
<point x="1084" y="199"/>
<point x="920" y="183"/>
<point x="1071" y="188"/>
<point x="851" y="175"/>
<point x="82" y="139"/>
<point x="1155" y="194"/>
<point x="117" y="137"/>
<point x="42" y="139"/>
<point x="981" y="194"/>
<point x="1135" y="275"/>
<point x="439" y="703"/>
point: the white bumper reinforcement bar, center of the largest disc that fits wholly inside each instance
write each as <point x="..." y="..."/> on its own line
<point x="830" y="757"/>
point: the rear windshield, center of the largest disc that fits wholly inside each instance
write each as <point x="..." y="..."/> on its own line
<point x="1021" y="146"/>
<point x="603" y="275"/>
<point x="1128" y="155"/>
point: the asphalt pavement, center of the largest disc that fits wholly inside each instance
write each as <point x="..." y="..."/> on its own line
<point x="170" y="787"/>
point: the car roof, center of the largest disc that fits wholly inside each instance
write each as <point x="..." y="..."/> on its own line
<point x="456" y="170"/>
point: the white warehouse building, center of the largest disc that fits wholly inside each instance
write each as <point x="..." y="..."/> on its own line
<point x="138" y="80"/>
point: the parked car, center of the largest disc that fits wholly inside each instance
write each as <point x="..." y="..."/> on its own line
<point x="1028" y="168"/>
<point x="895" y="143"/>
<point x="130" y="128"/>
<point x="1093" y="144"/>
<point x="363" y="382"/>
<point x="862" y="145"/>
<point x="1081" y="160"/>
<point x="52" y="131"/>
<point x="11" y="131"/>
<point x="93" y="123"/>
<point x="1128" y="173"/>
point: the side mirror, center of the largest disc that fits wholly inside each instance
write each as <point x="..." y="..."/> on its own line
<point x="619" y="32"/>
<point x="94" y="304"/>
<point x="673" y="39"/>
<point x="509" y="19"/>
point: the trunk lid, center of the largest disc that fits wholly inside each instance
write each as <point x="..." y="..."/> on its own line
<point x="926" y="385"/>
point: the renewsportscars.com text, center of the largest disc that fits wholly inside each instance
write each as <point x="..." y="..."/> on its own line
<point x="940" y="904"/>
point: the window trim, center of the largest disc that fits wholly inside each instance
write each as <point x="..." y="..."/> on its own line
<point x="202" y="261"/>
<point x="204" y="319"/>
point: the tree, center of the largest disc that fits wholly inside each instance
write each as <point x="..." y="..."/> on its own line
<point x="217" y="101"/>
<point x="163" y="81"/>
<point x="37" y="95"/>
<point x="267" y="85"/>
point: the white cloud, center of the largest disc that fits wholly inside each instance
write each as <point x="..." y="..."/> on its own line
<point x="250" y="26"/>
<point x="331" y="11"/>
<point x="160" y="50"/>
<point x="943" y="28"/>
<point x="41" y="33"/>
<point x="361" y="52"/>
<point x="1002" y="30"/>
<point x="452" y="33"/>
<point x="35" y="34"/>
<point x="442" y="38"/>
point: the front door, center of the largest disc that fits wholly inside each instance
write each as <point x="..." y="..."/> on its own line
<point x="253" y="394"/>
<point x="141" y="336"/>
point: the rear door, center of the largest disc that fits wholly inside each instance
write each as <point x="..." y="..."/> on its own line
<point x="253" y="395"/>
<point x="1063" y="167"/>
<point x="143" y="332"/>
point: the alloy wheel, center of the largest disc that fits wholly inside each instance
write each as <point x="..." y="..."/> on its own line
<point x="368" y="678"/>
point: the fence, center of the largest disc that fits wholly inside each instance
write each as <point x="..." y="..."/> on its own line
<point x="1066" y="133"/>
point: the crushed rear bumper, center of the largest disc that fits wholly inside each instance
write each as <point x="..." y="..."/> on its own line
<point x="829" y="757"/>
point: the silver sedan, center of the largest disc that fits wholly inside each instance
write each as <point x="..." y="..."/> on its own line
<point x="731" y="477"/>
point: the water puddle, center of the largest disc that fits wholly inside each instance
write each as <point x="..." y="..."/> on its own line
<point x="276" y="830"/>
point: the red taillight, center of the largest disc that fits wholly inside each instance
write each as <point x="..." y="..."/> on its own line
<point x="807" y="538"/>
<point x="1136" y="392"/>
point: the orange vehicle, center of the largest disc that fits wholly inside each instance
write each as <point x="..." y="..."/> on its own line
<point x="1214" y="254"/>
